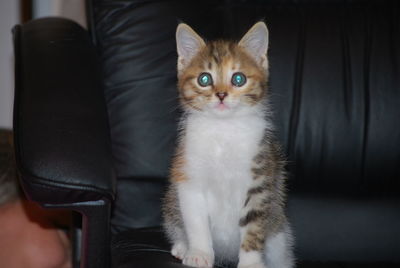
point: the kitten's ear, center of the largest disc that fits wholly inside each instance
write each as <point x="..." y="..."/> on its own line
<point x="188" y="44"/>
<point x="255" y="42"/>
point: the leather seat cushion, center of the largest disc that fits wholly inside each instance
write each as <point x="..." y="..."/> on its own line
<point x="148" y="248"/>
<point x="327" y="226"/>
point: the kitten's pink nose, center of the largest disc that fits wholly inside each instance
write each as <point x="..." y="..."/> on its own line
<point x="221" y="95"/>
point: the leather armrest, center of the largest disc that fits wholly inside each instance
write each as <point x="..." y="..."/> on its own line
<point x="61" y="130"/>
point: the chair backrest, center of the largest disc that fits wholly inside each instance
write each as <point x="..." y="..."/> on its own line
<point x="335" y="88"/>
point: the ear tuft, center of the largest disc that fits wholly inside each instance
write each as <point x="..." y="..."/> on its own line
<point x="255" y="41"/>
<point x="188" y="44"/>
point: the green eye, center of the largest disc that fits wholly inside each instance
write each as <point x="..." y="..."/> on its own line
<point x="238" y="79"/>
<point x="204" y="79"/>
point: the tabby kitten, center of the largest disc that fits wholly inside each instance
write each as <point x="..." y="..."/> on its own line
<point x="225" y="203"/>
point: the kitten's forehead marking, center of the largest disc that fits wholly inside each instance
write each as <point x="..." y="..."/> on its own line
<point x="218" y="50"/>
<point x="221" y="60"/>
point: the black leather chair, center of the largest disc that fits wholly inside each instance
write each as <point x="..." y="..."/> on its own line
<point x="96" y="112"/>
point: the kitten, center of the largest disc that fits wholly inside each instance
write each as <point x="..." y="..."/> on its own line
<point x="225" y="203"/>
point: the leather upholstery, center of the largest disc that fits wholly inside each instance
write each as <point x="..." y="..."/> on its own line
<point x="60" y="120"/>
<point x="61" y="134"/>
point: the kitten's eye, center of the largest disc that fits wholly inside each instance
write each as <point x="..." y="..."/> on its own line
<point x="205" y="79"/>
<point x="238" y="79"/>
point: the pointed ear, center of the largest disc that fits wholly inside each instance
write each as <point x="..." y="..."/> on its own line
<point x="188" y="44"/>
<point x="255" y="42"/>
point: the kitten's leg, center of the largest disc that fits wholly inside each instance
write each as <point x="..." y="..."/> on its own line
<point x="262" y="216"/>
<point x="278" y="250"/>
<point x="251" y="249"/>
<point x="179" y="248"/>
<point x="253" y="234"/>
<point x="173" y="223"/>
<point x="195" y="218"/>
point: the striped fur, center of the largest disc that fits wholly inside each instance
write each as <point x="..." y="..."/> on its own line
<point x="226" y="199"/>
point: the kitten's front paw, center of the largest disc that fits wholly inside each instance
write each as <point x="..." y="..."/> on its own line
<point x="255" y="265"/>
<point x="199" y="258"/>
<point x="179" y="250"/>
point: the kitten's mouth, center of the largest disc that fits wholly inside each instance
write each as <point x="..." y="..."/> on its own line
<point x="221" y="106"/>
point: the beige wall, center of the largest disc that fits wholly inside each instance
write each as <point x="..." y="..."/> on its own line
<point x="9" y="16"/>
<point x="72" y="9"/>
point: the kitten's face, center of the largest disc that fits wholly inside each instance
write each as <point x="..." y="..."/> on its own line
<point x="222" y="78"/>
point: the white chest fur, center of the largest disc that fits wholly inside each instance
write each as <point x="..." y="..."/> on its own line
<point x="221" y="148"/>
<point x="219" y="154"/>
